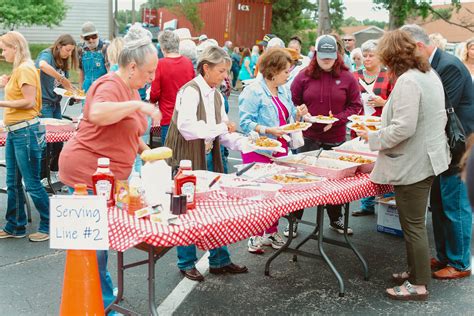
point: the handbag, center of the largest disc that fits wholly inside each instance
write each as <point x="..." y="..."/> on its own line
<point x="455" y="133"/>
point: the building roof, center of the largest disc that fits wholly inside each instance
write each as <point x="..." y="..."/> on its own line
<point x="360" y="29"/>
<point x="453" y="33"/>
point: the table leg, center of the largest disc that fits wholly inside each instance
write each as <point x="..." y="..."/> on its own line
<point x="351" y="245"/>
<point x="151" y="281"/>
<point x="120" y="276"/>
<point x="291" y="221"/>
<point x="48" y="168"/>
<point x="320" y="223"/>
<point x="312" y="235"/>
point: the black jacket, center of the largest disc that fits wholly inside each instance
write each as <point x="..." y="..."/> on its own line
<point x="458" y="85"/>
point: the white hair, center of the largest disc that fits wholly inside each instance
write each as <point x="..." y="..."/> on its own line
<point x="417" y="33"/>
<point x="369" y="46"/>
<point x="187" y="48"/>
<point x="137" y="46"/>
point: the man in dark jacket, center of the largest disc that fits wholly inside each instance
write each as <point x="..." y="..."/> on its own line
<point x="452" y="213"/>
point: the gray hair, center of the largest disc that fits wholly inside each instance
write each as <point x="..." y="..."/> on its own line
<point x="358" y="51"/>
<point x="137" y="47"/>
<point x="417" y="33"/>
<point x="187" y="48"/>
<point x="169" y="42"/>
<point x="369" y="46"/>
<point x="212" y="56"/>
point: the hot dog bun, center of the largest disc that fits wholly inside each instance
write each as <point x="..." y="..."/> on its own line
<point x="156" y="154"/>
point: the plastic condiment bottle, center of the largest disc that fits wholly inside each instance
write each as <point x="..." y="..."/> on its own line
<point x="135" y="192"/>
<point x="185" y="183"/>
<point x="103" y="181"/>
<point x="80" y="189"/>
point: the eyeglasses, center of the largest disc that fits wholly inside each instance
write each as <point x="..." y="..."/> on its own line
<point x="348" y="40"/>
<point x="89" y="37"/>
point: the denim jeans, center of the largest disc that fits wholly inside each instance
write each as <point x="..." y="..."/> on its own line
<point x="218" y="257"/>
<point x="164" y="133"/>
<point x="106" y="283"/>
<point x="23" y="160"/>
<point x="51" y="110"/>
<point x="452" y="221"/>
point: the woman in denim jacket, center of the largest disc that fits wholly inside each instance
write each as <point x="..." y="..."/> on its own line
<point x="264" y="106"/>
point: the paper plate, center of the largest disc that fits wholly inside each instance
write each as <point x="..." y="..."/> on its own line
<point x="64" y="93"/>
<point x="295" y="127"/>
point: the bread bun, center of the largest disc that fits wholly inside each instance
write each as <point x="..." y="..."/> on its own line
<point x="156" y="154"/>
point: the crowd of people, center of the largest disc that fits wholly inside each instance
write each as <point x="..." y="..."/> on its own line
<point x="405" y="77"/>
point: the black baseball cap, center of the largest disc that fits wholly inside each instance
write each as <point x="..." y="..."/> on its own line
<point x="266" y="39"/>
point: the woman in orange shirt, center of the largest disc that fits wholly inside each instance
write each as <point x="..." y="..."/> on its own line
<point x="25" y="140"/>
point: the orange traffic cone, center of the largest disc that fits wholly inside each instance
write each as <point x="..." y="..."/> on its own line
<point x="82" y="294"/>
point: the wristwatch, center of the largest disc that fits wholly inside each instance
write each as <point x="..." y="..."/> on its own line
<point x="262" y="129"/>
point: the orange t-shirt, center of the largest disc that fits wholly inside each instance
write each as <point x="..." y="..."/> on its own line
<point x="118" y="142"/>
<point x="26" y="73"/>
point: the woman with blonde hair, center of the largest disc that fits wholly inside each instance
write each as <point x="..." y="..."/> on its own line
<point x="25" y="139"/>
<point x="412" y="149"/>
<point x="467" y="56"/>
<point x="113" y="52"/>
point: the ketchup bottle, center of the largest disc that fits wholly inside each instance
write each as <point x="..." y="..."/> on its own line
<point x="103" y="181"/>
<point x="185" y="183"/>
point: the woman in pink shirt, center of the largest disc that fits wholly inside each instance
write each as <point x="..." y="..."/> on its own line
<point x="114" y="121"/>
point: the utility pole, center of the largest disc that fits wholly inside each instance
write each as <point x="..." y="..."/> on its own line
<point x="133" y="12"/>
<point x="111" y="20"/>
<point x="324" y="21"/>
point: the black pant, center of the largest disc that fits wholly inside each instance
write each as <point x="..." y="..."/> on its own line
<point x="334" y="211"/>
<point x="54" y="151"/>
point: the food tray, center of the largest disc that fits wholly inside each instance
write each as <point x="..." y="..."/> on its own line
<point x="250" y="189"/>
<point x="363" y="167"/>
<point x="262" y="170"/>
<point x="317" y="181"/>
<point x="324" y="167"/>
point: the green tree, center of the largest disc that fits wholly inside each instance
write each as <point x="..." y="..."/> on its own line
<point x="185" y="8"/>
<point x="294" y="17"/>
<point x="336" y="13"/>
<point x="15" y="13"/>
<point x="400" y="10"/>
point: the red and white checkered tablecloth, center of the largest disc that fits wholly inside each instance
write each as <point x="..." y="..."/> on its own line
<point x="54" y="134"/>
<point x="220" y="220"/>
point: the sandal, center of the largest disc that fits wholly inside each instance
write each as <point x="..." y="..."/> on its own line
<point x="407" y="292"/>
<point x="400" y="277"/>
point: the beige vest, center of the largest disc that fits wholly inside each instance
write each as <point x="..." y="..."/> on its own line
<point x="194" y="150"/>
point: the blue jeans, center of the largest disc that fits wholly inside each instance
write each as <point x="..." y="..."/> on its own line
<point x="51" y="110"/>
<point x="164" y="133"/>
<point x="367" y="204"/>
<point x="452" y="221"/>
<point x="218" y="257"/>
<point x="23" y="159"/>
<point x="106" y="283"/>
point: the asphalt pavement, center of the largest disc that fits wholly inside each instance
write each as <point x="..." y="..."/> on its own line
<point x="32" y="277"/>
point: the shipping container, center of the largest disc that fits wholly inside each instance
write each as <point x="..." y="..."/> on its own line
<point x="244" y="22"/>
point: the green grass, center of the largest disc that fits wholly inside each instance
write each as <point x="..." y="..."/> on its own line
<point x="35" y="49"/>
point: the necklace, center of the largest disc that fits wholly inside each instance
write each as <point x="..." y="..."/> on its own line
<point x="366" y="75"/>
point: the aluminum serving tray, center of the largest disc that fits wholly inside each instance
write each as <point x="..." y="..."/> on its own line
<point x="324" y="167"/>
<point x="363" y="167"/>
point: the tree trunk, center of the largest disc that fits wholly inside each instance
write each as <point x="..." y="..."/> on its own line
<point x="324" y="21"/>
<point x="396" y="18"/>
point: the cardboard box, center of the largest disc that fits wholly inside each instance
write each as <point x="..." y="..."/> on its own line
<point x="387" y="217"/>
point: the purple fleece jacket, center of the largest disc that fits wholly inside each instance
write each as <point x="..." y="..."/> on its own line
<point x="339" y="95"/>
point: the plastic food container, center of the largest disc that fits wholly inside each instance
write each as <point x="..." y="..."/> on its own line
<point x="324" y="167"/>
<point x="363" y="167"/>
<point x="315" y="181"/>
<point x="248" y="189"/>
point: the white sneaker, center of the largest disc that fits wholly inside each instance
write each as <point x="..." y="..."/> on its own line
<point x="54" y="175"/>
<point x="275" y="240"/>
<point x="44" y="182"/>
<point x="286" y="232"/>
<point x="255" y="245"/>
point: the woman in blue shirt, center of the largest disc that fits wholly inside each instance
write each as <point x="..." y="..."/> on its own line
<point x="54" y="63"/>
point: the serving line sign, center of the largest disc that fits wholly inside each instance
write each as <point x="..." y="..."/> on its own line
<point x="78" y="222"/>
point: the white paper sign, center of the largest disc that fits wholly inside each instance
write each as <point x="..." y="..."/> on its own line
<point x="78" y="222"/>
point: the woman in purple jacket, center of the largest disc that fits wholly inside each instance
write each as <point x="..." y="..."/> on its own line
<point x="327" y="87"/>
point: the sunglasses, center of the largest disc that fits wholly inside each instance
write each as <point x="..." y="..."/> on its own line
<point x="348" y="40"/>
<point x="93" y="36"/>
